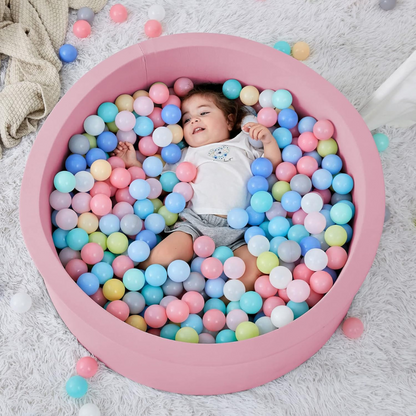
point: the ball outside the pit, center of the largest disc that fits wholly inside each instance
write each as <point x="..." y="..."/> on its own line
<point x="156" y="12"/>
<point x="387" y="4"/>
<point x="85" y="13"/>
<point x="353" y="328"/>
<point x="81" y="29"/>
<point x="89" y="409"/>
<point x="382" y="141"/>
<point x="76" y="387"/>
<point x="282" y="46"/>
<point x="21" y="302"/>
<point x="86" y="367"/>
<point x="153" y="28"/>
<point x="118" y="13"/>
<point x="68" y="53"/>
<point x="300" y="51"/>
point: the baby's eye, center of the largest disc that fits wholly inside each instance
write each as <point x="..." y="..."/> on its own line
<point x="185" y="121"/>
<point x="204" y="112"/>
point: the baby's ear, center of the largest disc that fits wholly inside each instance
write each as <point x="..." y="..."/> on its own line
<point x="230" y="121"/>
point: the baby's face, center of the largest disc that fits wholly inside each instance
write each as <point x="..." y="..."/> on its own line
<point x="203" y="122"/>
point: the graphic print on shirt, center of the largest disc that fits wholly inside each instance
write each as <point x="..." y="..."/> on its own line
<point x="220" y="153"/>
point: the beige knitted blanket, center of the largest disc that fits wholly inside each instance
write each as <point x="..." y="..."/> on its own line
<point x="31" y="33"/>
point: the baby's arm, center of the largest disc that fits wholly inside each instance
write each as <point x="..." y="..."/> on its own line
<point x="126" y="152"/>
<point x="271" y="148"/>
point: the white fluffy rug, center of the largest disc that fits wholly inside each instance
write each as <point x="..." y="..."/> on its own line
<point x="355" y="45"/>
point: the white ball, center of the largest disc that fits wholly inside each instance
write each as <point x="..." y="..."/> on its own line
<point x="281" y="316"/>
<point x="280" y="277"/>
<point x="94" y="125"/>
<point x="84" y="181"/>
<point x="156" y="12"/>
<point x="234" y="289"/>
<point x="89" y="409"/>
<point x="265" y="325"/>
<point x="250" y="110"/>
<point x="21" y="302"/>
<point x="162" y="136"/>
<point x="316" y="259"/>
<point x="258" y="244"/>
<point x="248" y="119"/>
<point x="265" y="98"/>
<point x="312" y="203"/>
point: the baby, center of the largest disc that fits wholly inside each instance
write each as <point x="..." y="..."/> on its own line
<point x="222" y="153"/>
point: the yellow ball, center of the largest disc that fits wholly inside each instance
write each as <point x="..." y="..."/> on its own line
<point x="300" y="51"/>
<point x="177" y="132"/>
<point x="88" y="222"/>
<point x="279" y="189"/>
<point x="246" y="330"/>
<point x="101" y="170"/>
<point x="327" y="147"/>
<point x="124" y="102"/>
<point x="92" y="140"/>
<point x="137" y="321"/>
<point x="335" y="235"/>
<point x="187" y="334"/>
<point x="99" y="238"/>
<point x="112" y="127"/>
<point x="140" y="93"/>
<point x="267" y="261"/>
<point x="170" y="217"/>
<point x="157" y="204"/>
<point x="249" y="95"/>
<point x="113" y="289"/>
<point x="117" y="243"/>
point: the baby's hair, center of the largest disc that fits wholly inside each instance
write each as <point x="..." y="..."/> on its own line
<point x="227" y="106"/>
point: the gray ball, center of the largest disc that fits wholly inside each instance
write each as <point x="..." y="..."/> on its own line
<point x="135" y="302"/>
<point x="195" y="282"/>
<point x="85" y="13"/>
<point x="289" y="251"/>
<point x="79" y="144"/>
<point x="387" y="4"/>
<point x="339" y="197"/>
<point x="301" y="184"/>
<point x="172" y="288"/>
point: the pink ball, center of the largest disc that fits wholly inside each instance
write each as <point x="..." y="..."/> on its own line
<point x="59" y="200"/>
<point x="76" y="267"/>
<point x="136" y="173"/>
<point x="92" y="253"/>
<point x="126" y="136"/>
<point x="155" y="316"/>
<point x="101" y="204"/>
<point x="120" y="178"/>
<point x="119" y="309"/>
<point x="121" y="264"/>
<point x="298" y="291"/>
<point x="185" y="190"/>
<point x="166" y="300"/>
<point x="194" y="300"/>
<point x="267" y="116"/>
<point x="214" y="320"/>
<point x="154" y="331"/>
<point x="186" y="172"/>
<point x="301" y="272"/>
<point x="285" y="171"/>
<point x="177" y="311"/>
<point x="270" y="303"/>
<point x="67" y="219"/>
<point x="147" y="146"/>
<point x="299" y="216"/>
<point x="81" y="29"/>
<point x="337" y="257"/>
<point x="99" y="188"/>
<point x="313" y="298"/>
<point x="307" y="141"/>
<point x="295" y="132"/>
<point x="159" y="93"/>
<point x="118" y="13"/>
<point x="67" y="254"/>
<point x="121" y="209"/>
<point x="98" y="297"/>
<point x="125" y="120"/>
<point x="235" y="317"/>
<point x="211" y="268"/>
<point x="234" y="267"/>
<point x="352" y="328"/>
<point x="112" y="188"/>
<point x="173" y="99"/>
<point x="153" y="29"/>
<point x="282" y="294"/>
<point x="156" y="117"/>
<point x="123" y="195"/>
<point x="323" y="129"/>
<point x="276" y="211"/>
<point x="324" y="193"/>
<point x="182" y="86"/>
<point x="141" y="158"/>
<point x="307" y="165"/>
<point x="116" y="162"/>
<point x="264" y="288"/>
<point x="257" y="107"/>
<point x="86" y="367"/>
<point x="205" y="338"/>
<point x="204" y="246"/>
<point x="315" y="222"/>
<point x="321" y="282"/>
<point x="155" y="188"/>
<point x="295" y="141"/>
<point x="143" y="106"/>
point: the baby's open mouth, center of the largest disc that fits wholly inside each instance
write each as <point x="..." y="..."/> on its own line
<point x="197" y="130"/>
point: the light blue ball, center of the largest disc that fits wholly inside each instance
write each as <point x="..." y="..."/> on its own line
<point x="237" y="218"/>
<point x="139" y="189"/>
<point x="193" y="321"/>
<point x="283" y="136"/>
<point x="214" y="288"/>
<point x="134" y="280"/>
<point x="76" y="387"/>
<point x="349" y="231"/>
<point x="322" y="179"/>
<point x="261" y="167"/>
<point x="298" y="308"/>
<point x="231" y="89"/>
<point x="64" y="181"/>
<point x="308" y="243"/>
<point x="265" y="227"/>
<point x="178" y="270"/>
<point x="327" y="215"/>
<point x="315" y="155"/>
<point x="103" y="271"/>
<point x="89" y="283"/>
<point x="282" y="46"/>
<point x="175" y="202"/>
<point x="341" y="213"/>
<point x="306" y="124"/>
<point x="222" y="253"/>
<point x="235" y="304"/>
<point x="287" y="118"/>
<point x="382" y="141"/>
<point x="332" y="163"/>
<point x="168" y="180"/>
<point x="196" y="264"/>
<point x="282" y="99"/>
<point x="169" y="331"/>
<point x="149" y="237"/>
<point x="95" y="154"/>
<point x="251" y="302"/>
<point x="109" y="224"/>
<point x="278" y="226"/>
<point x="297" y="233"/>
<point x="143" y="208"/>
<point x="291" y="201"/>
<point x="275" y="243"/>
<point x="107" y="111"/>
<point x="342" y="183"/>
<point x="291" y="153"/>
<point x="255" y="184"/>
<point x="152" y="166"/>
<point x="171" y="154"/>
<point x="171" y="114"/>
<point x="225" y="335"/>
<point x="59" y="238"/>
<point x="254" y="217"/>
<point x="156" y="275"/>
<point x="75" y="163"/>
<point x="261" y="201"/>
<point x="214" y="304"/>
<point x="144" y="126"/>
<point x="68" y="53"/>
<point x="77" y="238"/>
<point x="251" y="232"/>
<point x="152" y="294"/>
<point x="138" y="251"/>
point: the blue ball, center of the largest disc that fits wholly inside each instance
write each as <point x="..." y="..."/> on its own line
<point x="109" y="224"/>
<point x="139" y="189"/>
<point x="322" y="179"/>
<point x="59" y="238"/>
<point x="76" y="387"/>
<point x="178" y="271"/>
<point x="171" y="114"/>
<point x="315" y="155"/>
<point x="231" y="89"/>
<point x="148" y="237"/>
<point x="237" y="218"/>
<point x="291" y="153"/>
<point x="152" y="166"/>
<point x="103" y="271"/>
<point x="175" y="202"/>
<point x="332" y="272"/>
<point x="77" y="238"/>
<point x="138" y="251"/>
<point x="156" y="275"/>
<point x="262" y="167"/>
<point x="258" y="316"/>
<point x="89" y="283"/>
<point x="278" y="226"/>
<point x="257" y="183"/>
<point x="265" y="227"/>
<point x="291" y="201"/>
<point x="306" y="124"/>
<point x="327" y="215"/>
<point x="282" y="46"/>
<point x="214" y="288"/>
<point x="225" y="335"/>
<point x="342" y="183"/>
<point x="308" y="243"/>
<point x="107" y="111"/>
<point x="107" y="141"/>
<point x="251" y="302"/>
<point x="298" y="308"/>
<point x="287" y="118"/>
<point x="275" y="243"/>
<point x="251" y="232"/>
<point x="254" y="217"/>
<point x="169" y="331"/>
<point x="152" y="295"/>
<point x="233" y="305"/>
<point x="168" y="180"/>
<point x="143" y="208"/>
<point x="283" y="136"/>
<point x="193" y="321"/>
<point x="95" y="154"/>
<point x="215" y="304"/>
<point x="144" y="126"/>
<point x="261" y="201"/>
<point x="196" y="264"/>
<point x="171" y="154"/>
<point x="332" y="163"/>
<point x="155" y="222"/>
<point x="68" y="53"/>
<point x="75" y="163"/>
<point x="222" y="253"/>
<point x="53" y="218"/>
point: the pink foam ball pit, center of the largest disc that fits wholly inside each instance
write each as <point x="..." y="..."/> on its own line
<point x="234" y="366"/>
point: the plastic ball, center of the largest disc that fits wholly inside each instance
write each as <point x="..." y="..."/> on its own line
<point x="89" y="409"/>
<point x="177" y="311"/>
<point x="237" y="218"/>
<point x="213" y="320"/>
<point x="337" y="257"/>
<point x="162" y="136"/>
<point x="88" y="222"/>
<point x="282" y="99"/>
<point x="307" y="165"/>
<point x="262" y="167"/>
<point x="312" y="202"/>
<point x="340" y="213"/>
<point x="246" y="330"/>
<point x="171" y="114"/>
<point x="76" y="386"/>
<point x="187" y="334"/>
<point x="81" y="29"/>
<point x="85" y="13"/>
<point x="289" y="251"/>
<point x="315" y="222"/>
<point x="267" y="261"/>
<point x="251" y="302"/>
<point x="79" y="144"/>
<point x="267" y="117"/>
<point x="94" y="125"/>
<point x="21" y="302"/>
<point x="64" y="181"/>
<point x="306" y="124"/>
<point x="280" y="277"/>
<point x="387" y="4"/>
<point x="175" y="202"/>
<point x="283" y="137"/>
<point x="291" y="201"/>
<point x="101" y="204"/>
<point x="261" y="201"/>
<point x="68" y="53"/>
<point x="298" y="290"/>
<point x="342" y="183"/>
<point x="282" y="46"/>
<point x="233" y="290"/>
<point x="332" y="163"/>
<point x="249" y="95"/>
<point x="144" y="126"/>
<point x="382" y="141"/>
<point x="186" y="172"/>
<point x="113" y="289"/>
<point x="327" y="147"/>
<point x="323" y="129"/>
<point x="138" y="251"/>
<point x="153" y="29"/>
<point x="235" y="317"/>
<point x="156" y="12"/>
<point x="182" y="86"/>
<point x="353" y="328"/>
<point x="288" y="118"/>
<point x="118" y="13"/>
<point x="232" y="89"/>
<point x="300" y="51"/>
<point x="281" y="316"/>
<point x="258" y="244"/>
<point x="316" y="259"/>
<point x="234" y="267"/>
<point x="171" y="154"/>
<point x="86" y="367"/>
<point x="336" y="235"/>
<point x="117" y="243"/>
<point x="204" y="246"/>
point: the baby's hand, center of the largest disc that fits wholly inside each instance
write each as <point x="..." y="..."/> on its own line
<point x="258" y="132"/>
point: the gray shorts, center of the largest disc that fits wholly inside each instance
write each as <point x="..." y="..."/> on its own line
<point x="210" y="225"/>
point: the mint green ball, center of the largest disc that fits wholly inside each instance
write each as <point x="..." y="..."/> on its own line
<point x="382" y="141"/>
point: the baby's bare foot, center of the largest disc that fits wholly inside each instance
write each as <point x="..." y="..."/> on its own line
<point x="126" y="152"/>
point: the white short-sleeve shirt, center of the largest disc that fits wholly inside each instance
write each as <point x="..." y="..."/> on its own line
<point x="223" y="170"/>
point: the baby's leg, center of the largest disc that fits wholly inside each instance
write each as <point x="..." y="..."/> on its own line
<point x="252" y="272"/>
<point x="176" y="246"/>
